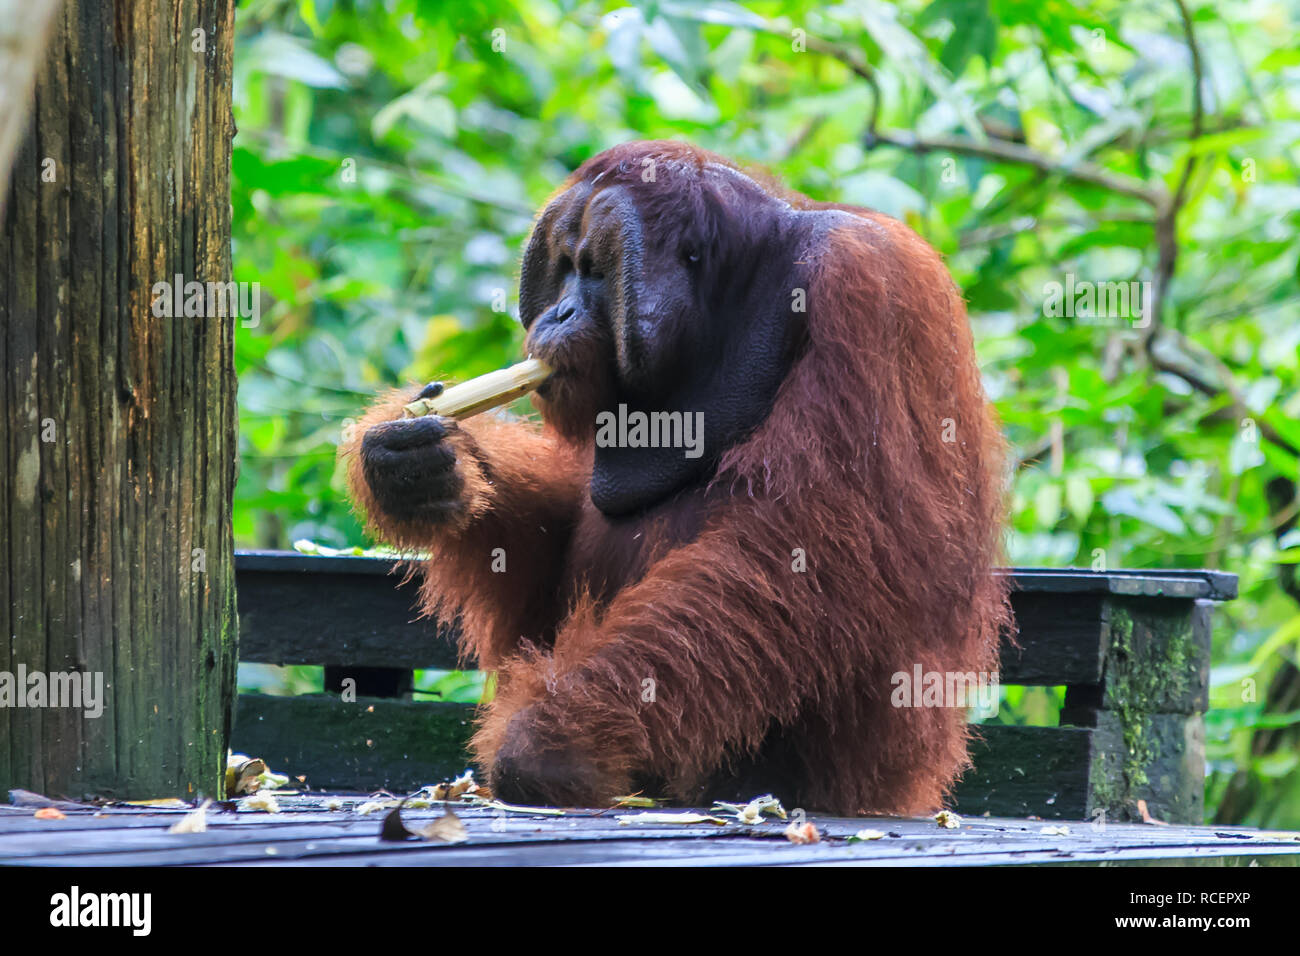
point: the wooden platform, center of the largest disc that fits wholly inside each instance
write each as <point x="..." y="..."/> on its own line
<point x="307" y="833"/>
<point x="1130" y="647"/>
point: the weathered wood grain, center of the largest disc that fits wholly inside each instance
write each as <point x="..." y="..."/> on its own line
<point x="117" y="436"/>
<point x="24" y="30"/>
<point x="307" y="834"/>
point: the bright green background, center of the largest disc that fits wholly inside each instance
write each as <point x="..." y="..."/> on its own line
<point x="390" y="156"/>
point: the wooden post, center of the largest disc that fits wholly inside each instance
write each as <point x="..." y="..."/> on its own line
<point x="117" y="437"/>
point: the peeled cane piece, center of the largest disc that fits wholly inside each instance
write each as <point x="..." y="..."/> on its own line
<point x="482" y="393"/>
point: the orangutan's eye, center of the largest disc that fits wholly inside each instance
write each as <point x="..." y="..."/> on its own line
<point x="587" y="268"/>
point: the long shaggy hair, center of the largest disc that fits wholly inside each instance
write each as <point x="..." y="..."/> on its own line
<point x="745" y="634"/>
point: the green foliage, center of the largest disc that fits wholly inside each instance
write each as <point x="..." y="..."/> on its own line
<point x="390" y="156"/>
<point x="457" y="687"/>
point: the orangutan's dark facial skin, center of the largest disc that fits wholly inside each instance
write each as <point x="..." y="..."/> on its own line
<point x="671" y="295"/>
<point x="631" y="308"/>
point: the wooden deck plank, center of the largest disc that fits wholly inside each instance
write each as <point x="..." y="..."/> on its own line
<point x="373" y="621"/>
<point x="307" y="834"/>
<point x="660" y="851"/>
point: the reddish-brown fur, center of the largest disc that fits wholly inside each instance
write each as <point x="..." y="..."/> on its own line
<point x="900" y="529"/>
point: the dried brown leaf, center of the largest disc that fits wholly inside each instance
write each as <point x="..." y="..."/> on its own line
<point x="803" y="833"/>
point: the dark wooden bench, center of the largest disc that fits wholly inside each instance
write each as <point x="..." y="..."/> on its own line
<point x="1130" y="647"/>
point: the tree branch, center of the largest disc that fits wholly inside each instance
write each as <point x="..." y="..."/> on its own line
<point x="1167" y="220"/>
<point x="1005" y="152"/>
<point x="849" y="56"/>
<point x="1225" y="386"/>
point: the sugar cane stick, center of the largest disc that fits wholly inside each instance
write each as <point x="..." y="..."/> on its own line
<point x="482" y="393"/>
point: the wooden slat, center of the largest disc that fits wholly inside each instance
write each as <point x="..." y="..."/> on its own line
<point x="354" y="611"/>
<point x="293" y="562"/>
<point x="354" y="618"/>
<point x="1073" y="773"/>
<point x="1028" y="771"/>
<point x="367" y="620"/>
<point x="305" y="834"/>
<point x="1060" y="640"/>
<point x="1214" y="585"/>
<point x="1129" y="582"/>
<point x="366" y="745"/>
<point x="402" y="745"/>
